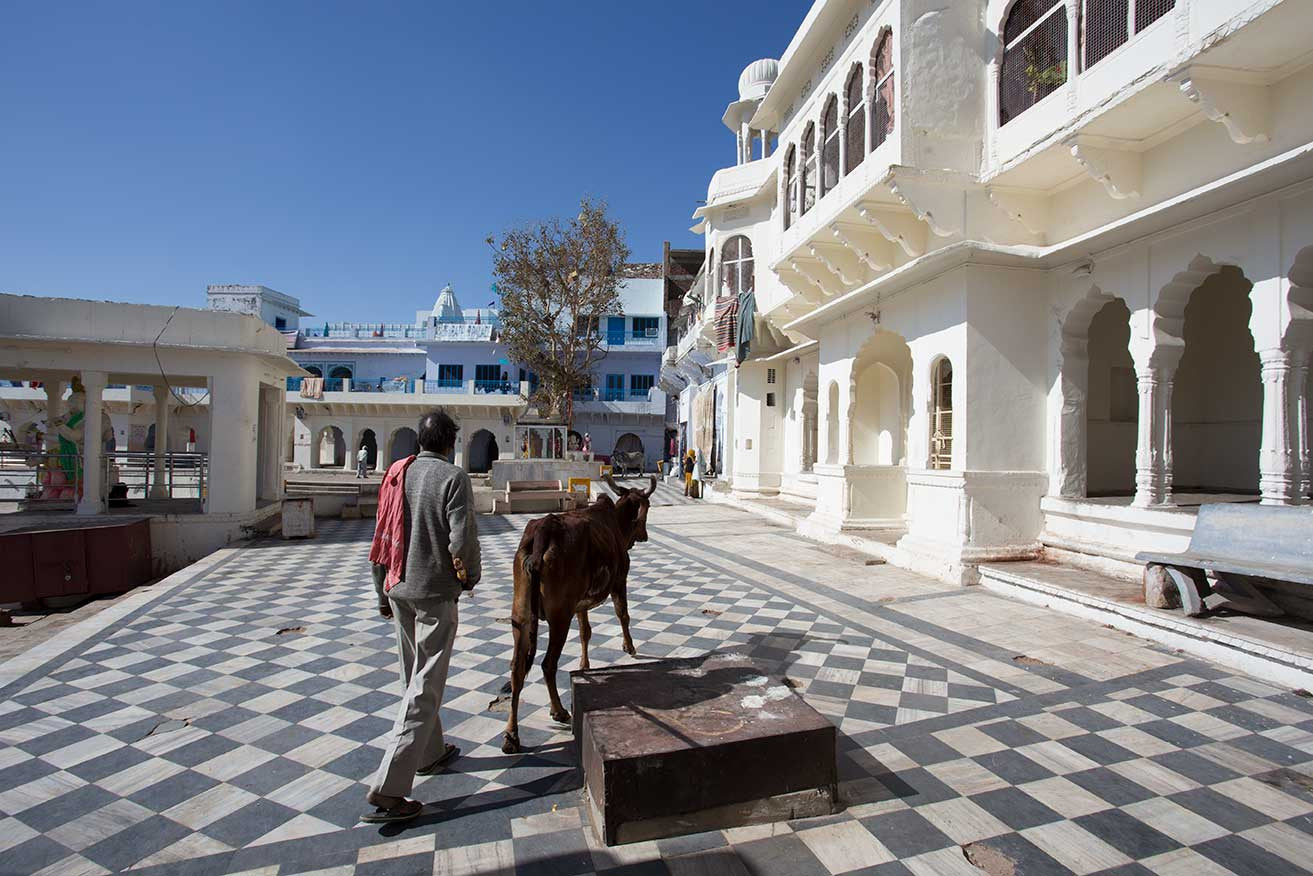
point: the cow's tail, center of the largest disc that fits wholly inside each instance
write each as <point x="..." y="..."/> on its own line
<point x="532" y="559"/>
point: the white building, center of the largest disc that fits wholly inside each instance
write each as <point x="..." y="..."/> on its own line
<point x="1043" y="272"/>
<point x="379" y="378"/>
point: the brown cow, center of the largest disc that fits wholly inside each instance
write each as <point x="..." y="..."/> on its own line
<point x="567" y="564"/>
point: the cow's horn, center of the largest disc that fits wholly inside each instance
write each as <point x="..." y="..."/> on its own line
<point x="619" y="490"/>
<point x="651" y="489"/>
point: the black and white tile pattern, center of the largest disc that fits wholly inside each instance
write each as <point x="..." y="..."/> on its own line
<point x="231" y="724"/>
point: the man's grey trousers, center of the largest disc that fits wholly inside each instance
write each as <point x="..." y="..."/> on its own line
<point x="426" y="632"/>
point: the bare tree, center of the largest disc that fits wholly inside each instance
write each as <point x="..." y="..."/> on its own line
<point x="557" y="279"/>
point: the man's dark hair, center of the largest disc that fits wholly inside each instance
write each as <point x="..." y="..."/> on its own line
<point x="437" y="432"/>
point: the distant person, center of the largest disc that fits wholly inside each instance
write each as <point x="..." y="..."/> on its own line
<point x="688" y="474"/>
<point x="587" y="447"/>
<point x="362" y="463"/>
<point x="431" y="551"/>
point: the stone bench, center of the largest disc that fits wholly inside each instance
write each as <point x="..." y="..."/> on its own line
<point x="1233" y="544"/>
<point x="534" y="494"/>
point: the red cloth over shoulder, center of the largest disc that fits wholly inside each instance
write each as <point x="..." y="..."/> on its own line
<point x="389" y="545"/>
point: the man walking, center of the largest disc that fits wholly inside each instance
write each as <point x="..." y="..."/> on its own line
<point x="362" y="462"/>
<point x="440" y="559"/>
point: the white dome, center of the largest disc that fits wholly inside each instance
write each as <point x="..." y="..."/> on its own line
<point x="757" y="78"/>
<point x="447" y="308"/>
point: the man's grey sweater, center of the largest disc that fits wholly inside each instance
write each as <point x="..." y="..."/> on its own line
<point x="440" y="524"/>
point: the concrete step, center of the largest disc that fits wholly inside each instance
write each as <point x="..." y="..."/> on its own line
<point x="1279" y="652"/>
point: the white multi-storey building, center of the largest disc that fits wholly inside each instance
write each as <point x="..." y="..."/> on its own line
<point x="1029" y="275"/>
<point x="379" y="378"/>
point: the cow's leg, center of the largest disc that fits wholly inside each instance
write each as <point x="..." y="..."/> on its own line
<point x="525" y="633"/>
<point x="558" y="627"/>
<point x="620" y="599"/>
<point x="585" y="633"/>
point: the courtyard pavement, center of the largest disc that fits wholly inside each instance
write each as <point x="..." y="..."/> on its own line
<point x="227" y="720"/>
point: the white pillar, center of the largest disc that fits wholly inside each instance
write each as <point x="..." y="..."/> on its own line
<point x="160" y="486"/>
<point x="1073" y="48"/>
<point x="1153" y="452"/>
<point x="1280" y="468"/>
<point x="1071" y="472"/>
<point x="234" y="403"/>
<point x="93" y="477"/>
<point x="349" y="440"/>
<point x="54" y="409"/>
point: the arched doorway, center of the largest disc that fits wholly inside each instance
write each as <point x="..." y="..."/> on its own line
<point x="1111" y="404"/>
<point x="341" y="371"/>
<point x="628" y="443"/>
<point x="404" y="443"/>
<point x="1217" y="399"/>
<point x="332" y="448"/>
<point x="315" y="370"/>
<point x="370" y="443"/>
<point x="483" y="451"/>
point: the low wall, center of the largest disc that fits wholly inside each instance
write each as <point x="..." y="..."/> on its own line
<point x="506" y="470"/>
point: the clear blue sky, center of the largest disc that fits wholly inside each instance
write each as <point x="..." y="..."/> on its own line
<point x="353" y="154"/>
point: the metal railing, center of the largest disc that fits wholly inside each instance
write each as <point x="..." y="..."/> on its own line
<point x="500" y="387"/>
<point x="382" y="384"/>
<point x="31" y="478"/>
<point x="184" y="475"/>
<point x="444" y="385"/>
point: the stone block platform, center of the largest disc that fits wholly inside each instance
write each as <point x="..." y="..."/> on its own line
<point x="682" y="746"/>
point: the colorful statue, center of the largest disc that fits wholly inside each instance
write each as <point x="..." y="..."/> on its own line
<point x="60" y="475"/>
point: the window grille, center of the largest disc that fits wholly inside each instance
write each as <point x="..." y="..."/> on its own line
<point x="856" y="132"/>
<point x="770" y="399"/>
<point x="790" y="188"/>
<point x="941" y="416"/>
<point x="1106" y="25"/>
<point x="808" y="168"/>
<point x="830" y="149"/>
<point x="736" y="269"/>
<point x="1034" y="56"/>
<point x="882" y="75"/>
<point x="770" y="376"/>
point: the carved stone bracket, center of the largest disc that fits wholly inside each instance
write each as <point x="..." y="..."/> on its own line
<point x="1030" y="211"/>
<point x="801" y="284"/>
<point x="858" y="239"/>
<point x="941" y="207"/>
<point x="1118" y="172"/>
<point x="829" y="282"/>
<point x="896" y="228"/>
<point x="838" y="259"/>
<point x="1238" y="107"/>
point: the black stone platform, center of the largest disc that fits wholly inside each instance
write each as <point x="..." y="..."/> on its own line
<point x="681" y="746"/>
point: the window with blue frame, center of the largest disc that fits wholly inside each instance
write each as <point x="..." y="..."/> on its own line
<point x="640" y="385"/>
<point x="646" y="326"/>
<point x="451" y="375"/>
<point x="615" y="330"/>
<point x="532" y="379"/>
<point x="615" y="387"/>
<point x="487" y="378"/>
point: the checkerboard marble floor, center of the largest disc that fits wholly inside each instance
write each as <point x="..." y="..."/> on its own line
<point x="228" y="724"/>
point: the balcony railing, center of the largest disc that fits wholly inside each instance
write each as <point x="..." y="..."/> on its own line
<point x="612" y="394"/>
<point x="331" y="384"/>
<point x="381" y="384"/>
<point x="500" y="387"/>
<point x="444" y="385"/>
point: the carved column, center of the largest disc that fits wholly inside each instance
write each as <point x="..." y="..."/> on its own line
<point x="1153" y="452"/>
<point x="1300" y="389"/>
<point x="1280" y="467"/>
<point x="843" y="140"/>
<point x="1073" y="49"/>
